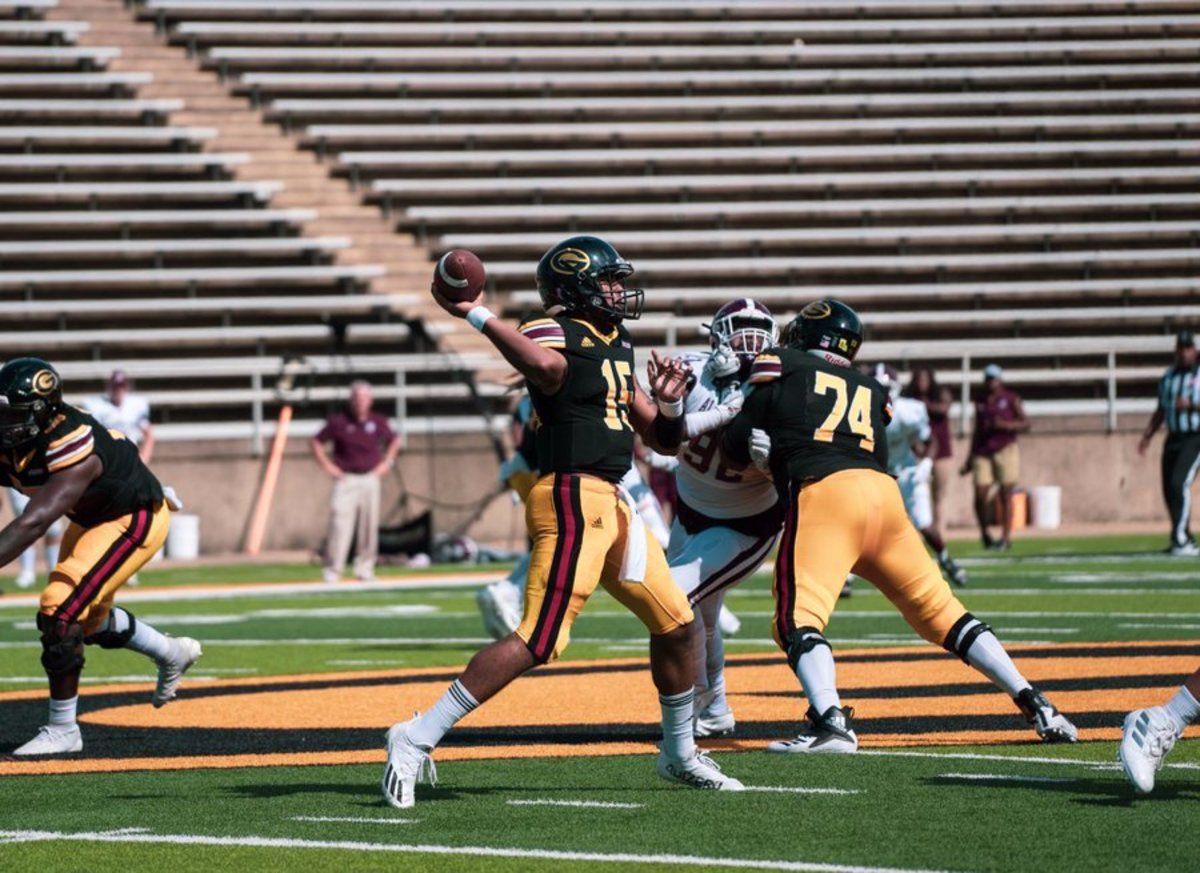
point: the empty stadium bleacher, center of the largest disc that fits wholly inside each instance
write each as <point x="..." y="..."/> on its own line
<point x="1007" y="178"/>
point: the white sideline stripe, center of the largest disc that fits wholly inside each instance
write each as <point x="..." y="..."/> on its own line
<point x="787" y="789"/>
<point x="582" y="804"/>
<point x="1174" y="625"/>
<point x="237" y="590"/>
<point x="1118" y="576"/>
<point x="1020" y="759"/>
<point x="469" y="851"/>
<point x="999" y="777"/>
<point x="422" y="610"/>
<point x="355" y="819"/>
<point x="844" y="614"/>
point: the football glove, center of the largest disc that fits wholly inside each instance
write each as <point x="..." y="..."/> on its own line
<point x="760" y="449"/>
<point x="722" y="363"/>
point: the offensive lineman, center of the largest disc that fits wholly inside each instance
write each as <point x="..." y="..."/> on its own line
<point x="70" y="465"/>
<point x="727" y="519"/>
<point x="825" y="445"/>
<point x="578" y="363"/>
<point x="911" y="448"/>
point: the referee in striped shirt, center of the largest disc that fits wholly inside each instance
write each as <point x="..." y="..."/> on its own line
<point x="1179" y="407"/>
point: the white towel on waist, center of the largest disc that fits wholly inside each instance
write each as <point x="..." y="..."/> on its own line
<point x="633" y="564"/>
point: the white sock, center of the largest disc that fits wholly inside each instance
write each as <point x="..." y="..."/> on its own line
<point x="818" y="676"/>
<point x="28" y="559"/>
<point x="716" y="688"/>
<point x="51" y="557"/>
<point x="454" y="705"/>
<point x="145" y="640"/>
<point x="988" y="657"/>
<point x="1183" y="708"/>
<point x="678" y="743"/>
<point x="62" y="712"/>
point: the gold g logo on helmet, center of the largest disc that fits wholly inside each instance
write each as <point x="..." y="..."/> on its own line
<point x="817" y="309"/>
<point x="570" y="262"/>
<point x="44" y="382"/>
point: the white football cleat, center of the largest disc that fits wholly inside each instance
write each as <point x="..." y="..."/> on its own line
<point x="829" y="734"/>
<point x="26" y="579"/>
<point x="1187" y="550"/>
<point x="698" y="771"/>
<point x="500" y="606"/>
<point x="406" y="764"/>
<point x="53" y="740"/>
<point x="710" y="724"/>
<point x="1148" y="735"/>
<point x="170" y="671"/>
<point x="729" y="623"/>
<point x="1051" y="725"/>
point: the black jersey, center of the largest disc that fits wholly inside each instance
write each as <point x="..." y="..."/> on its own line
<point x="584" y="427"/>
<point x="125" y="486"/>
<point x="821" y="417"/>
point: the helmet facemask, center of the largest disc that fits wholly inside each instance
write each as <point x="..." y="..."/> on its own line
<point x="747" y="333"/>
<point x="22" y="423"/>
<point x="604" y="294"/>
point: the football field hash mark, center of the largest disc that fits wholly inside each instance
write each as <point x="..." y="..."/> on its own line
<point x="625" y="858"/>
<point x="1001" y="777"/>
<point x="581" y="804"/>
<point x="351" y="819"/>
<point x="788" y="789"/>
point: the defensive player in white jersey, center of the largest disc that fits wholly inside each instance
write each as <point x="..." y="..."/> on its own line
<point x="726" y="521"/>
<point x="910" y="459"/>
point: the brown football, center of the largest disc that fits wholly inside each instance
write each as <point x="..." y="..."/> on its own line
<point x="459" y="275"/>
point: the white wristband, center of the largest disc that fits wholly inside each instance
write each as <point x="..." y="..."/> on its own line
<point x="672" y="409"/>
<point x="478" y="317"/>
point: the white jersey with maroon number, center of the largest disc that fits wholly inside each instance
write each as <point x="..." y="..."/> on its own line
<point x="909" y="424"/>
<point x="703" y="480"/>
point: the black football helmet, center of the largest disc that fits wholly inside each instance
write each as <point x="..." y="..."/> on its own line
<point x="30" y="395"/>
<point x="827" y="326"/>
<point x="569" y="277"/>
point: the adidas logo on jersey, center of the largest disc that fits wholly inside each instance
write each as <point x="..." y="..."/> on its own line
<point x="586" y="343"/>
<point x="598" y="523"/>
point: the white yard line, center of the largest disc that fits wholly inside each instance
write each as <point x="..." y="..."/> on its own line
<point x="1020" y="759"/>
<point x="355" y="819"/>
<point x="581" y="804"/>
<point x="468" y="851"/>
<point x="1000" y="777"/>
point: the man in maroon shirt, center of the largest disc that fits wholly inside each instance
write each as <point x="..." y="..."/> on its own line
<point x="364" y="447"/>
<point x="994" y="459"/>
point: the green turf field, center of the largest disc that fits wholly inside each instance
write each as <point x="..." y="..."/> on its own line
<point x="1007" y="806"/>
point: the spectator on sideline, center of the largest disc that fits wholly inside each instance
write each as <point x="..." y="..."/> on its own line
<point x="1179" y="407"/>
<point x="125" y="412"/>
<point x="937" y="399"/>
<point x="994" y="458"/>
<point x="364" y="447"/>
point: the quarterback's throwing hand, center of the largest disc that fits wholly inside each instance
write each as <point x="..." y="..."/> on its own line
<point x="457" y="308"/>
<point x="668" y="377"/>
<point x="760" y="449"/>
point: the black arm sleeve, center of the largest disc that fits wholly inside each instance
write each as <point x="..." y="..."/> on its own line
<point x="668" y="432"/>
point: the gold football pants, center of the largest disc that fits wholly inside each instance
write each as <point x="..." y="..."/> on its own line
<point x="579" y="525"/>
<point x="854" y="521"/>
<point x="95" y="561"/>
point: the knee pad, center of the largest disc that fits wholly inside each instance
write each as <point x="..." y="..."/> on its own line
<point x="963" y="635"/>
<point x="802" y="641"/>
<point x="114" y="639"/>
<point x="62" y="651"/>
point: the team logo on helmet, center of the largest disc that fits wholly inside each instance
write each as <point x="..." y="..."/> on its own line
<point x="817" y="309"/>
<point x="44" y="382"/>
<point x="570" y="262"/>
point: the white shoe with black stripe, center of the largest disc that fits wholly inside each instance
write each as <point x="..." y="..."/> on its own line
<point x="1148" y="735"/>
<point x="698" y="771"/>
<point x="828" y="733"/>
<point x="1051" y="725"/>
<point x="407" y="763"/>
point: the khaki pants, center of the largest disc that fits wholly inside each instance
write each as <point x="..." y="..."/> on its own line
<point x="353" y="514"/>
